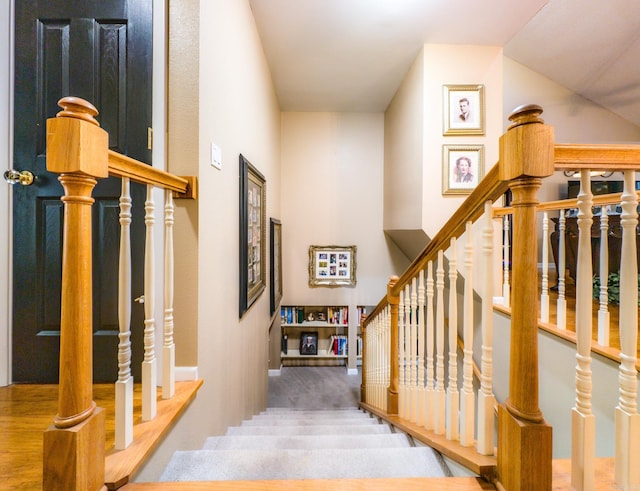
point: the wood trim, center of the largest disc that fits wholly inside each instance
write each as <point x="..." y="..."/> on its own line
<point x="123" y="166"/>
<point x="596" y="157"/>
<point x="121" y="465"/>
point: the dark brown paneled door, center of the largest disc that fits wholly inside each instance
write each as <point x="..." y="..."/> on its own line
<point x="100" y="51"/>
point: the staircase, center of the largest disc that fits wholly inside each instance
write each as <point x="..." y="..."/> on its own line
<point x="307" y="444"/>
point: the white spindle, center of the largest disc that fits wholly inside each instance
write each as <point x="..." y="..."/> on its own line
<point x="453" y="395"/>
<point x="413" y="391"/>
<point x="583" y="420"/>
<point x="603" y="294"/>
<point x="506" y="288"/>
<point x="561" y="304"/>
<point x="486" y="400"/>
<point x="467" y="396"/>
<point x="124" y="384"/>
<point x="440" y="417"/>
<point x="402" y="359"/>
<point x="430" y="393"/>
<point x="421" y="312"/>
<point x="544" y="297"/>
<point x="168" y="346"/>
<point x="386" y="357"/>
<point x="627" y="454"/>
<point x="149" y="376"/>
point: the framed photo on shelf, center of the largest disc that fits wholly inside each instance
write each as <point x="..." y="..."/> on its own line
<point x="463" y="110"/>
<point x="332" y="265"/>
<point x="275" y="283"/>
<point x="309" y="343"/>
<point x="462" y="168"/>
<point x="253" y="202"/>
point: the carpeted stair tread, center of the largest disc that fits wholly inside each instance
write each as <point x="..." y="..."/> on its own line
<point x="325" y="429"/>
<point x="269" y="442"/>
<point x="309" y="421"/>
<point x="214" y="465"/>
<point x="314" y="415"/>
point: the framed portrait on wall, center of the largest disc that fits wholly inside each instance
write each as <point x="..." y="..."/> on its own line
<point x="462" y="168"/>
<point x="332" y="265"/>
<point x="253" y="202"/>
<point x="463" y="110"/>
<point x="276" y="264"/>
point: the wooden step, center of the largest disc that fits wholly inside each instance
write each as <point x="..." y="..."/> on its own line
<point x="406" y="484"/>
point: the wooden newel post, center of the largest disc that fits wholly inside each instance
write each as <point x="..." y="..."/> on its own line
<point x="524" y="438"/>
<point x="74" y="446"/>
<point x="392" y="391"/>
<point x="363" y="381"/>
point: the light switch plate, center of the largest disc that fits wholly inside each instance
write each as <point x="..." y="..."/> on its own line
<point x="216" y="156"/>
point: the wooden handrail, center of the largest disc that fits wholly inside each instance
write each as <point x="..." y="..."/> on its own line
<point x="490" y="188"/>
<point x="596" y="157"/>
<point x="123" y="166"/>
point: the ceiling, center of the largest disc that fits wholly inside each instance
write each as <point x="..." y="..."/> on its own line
<point x="351" y="55"/>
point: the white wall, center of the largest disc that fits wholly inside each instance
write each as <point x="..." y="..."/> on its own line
<point x="332" y="183"/>
<point x="6" y="102"/>
<point x="456" y="65"/>
<point x="238" y="110"/>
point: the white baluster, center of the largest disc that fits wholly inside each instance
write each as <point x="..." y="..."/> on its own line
<point x="627" y="455"/>
<point x="603" y="294"/>
<point x="486" y="399"/>
<point x="440" y="417"/>
<point x="402" y="383"/>
<point x="386" y="357"/>
<point x="561" y="304"/>
<point x="583" y="421"/>
<point x="506" y="288"/>
<point x="453" y="395"/>
<point x="168" y="346"/>
<point x="421" y="312"/>
<point x="544" y="297"/>
<point x="467" y="396"/>
<point x="430" y="393"/>
<point x="124" y="384"/>
<point x="413" y="391"/>
<point x="149" y="376"/>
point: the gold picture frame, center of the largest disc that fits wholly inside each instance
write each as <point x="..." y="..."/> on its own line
<point x="463" y="110"/>
<point x="462" y="168"/>
<point x="332" y="265"/>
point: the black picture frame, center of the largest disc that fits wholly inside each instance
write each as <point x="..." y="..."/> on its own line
<point x="275" y="249"/>
<point x="253" y="201"/>
<point x="309" y="343"/>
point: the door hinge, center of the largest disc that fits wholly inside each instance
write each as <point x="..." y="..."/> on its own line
<point x="149" y="138"/>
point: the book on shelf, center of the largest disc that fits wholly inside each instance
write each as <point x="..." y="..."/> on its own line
<point x="338" y="344"/>
<point x="285" y="342"/>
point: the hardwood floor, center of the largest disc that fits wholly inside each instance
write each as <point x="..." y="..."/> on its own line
<point x="26" y="411"/>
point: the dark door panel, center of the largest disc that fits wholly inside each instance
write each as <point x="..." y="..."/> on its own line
<point x="100" y="51"/>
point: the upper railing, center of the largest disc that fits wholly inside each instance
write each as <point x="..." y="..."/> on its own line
<point x="77" y="150"/>
<point x="412" y="336"/>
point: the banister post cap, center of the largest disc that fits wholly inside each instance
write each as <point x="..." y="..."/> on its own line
<point x="75" y="107"/>
<point x="525" y="114"/>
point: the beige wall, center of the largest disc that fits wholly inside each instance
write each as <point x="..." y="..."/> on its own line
<point x="331" y="189"/>
<point x="220" y="91"/>
<point x="466" y="65"/>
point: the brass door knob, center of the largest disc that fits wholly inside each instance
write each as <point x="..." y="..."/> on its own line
<point x="23" y="177"/>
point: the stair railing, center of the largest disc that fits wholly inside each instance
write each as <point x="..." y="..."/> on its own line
<point x="527" y="154"/>
<point x="77" y="150"/>
<point x="589" y="267"/>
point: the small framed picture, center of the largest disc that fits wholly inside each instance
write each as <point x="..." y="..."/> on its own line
<point x="463" y="110"/>
<point x="332" y="265"/>
<point x="309" y="343"/>
<point x="462" y="168"/>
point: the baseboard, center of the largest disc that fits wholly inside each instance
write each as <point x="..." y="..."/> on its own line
<point x="352" y="371"/>
<point x="274" y="372"/>
<point x="184" y="374"/>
